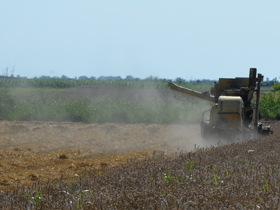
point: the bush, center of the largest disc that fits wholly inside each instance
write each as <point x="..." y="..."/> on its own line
<point x="270" y="106"/>
<point x="276" y="87"/>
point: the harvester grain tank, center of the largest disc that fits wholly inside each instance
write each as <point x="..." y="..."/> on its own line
<point x="233" y="113"/>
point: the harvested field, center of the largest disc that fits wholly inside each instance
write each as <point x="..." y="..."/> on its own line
<point x="65" y="165"/>
<point x="124" y="166"/>
<point x="39" y="150"/>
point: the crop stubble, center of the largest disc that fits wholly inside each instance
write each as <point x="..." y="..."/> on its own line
<point x="40" y="150"/>
<point x="243" y="175"/>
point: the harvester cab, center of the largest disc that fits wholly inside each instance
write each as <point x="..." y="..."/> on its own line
<point x="233" y="113"/>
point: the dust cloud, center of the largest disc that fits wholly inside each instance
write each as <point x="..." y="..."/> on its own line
<point x="119" y="136"/>
<point x="33" y="150"/>
<point x="182" y="134"/>
<point x="100" y="139"/>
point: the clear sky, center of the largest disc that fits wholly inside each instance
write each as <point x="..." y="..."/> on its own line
<point x="169" y="39"/>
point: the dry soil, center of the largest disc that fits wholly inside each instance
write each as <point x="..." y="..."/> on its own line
<point x="40" y="150"/>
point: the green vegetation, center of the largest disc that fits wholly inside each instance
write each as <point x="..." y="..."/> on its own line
<point x="111" y="108"/>
<point x="270" y="106"/>
<point x="106" y="109"/>
<point x="270" y="103"/>
<point x="130" y="82"/>
<point x="7" y="105"/>
<point x="93" y="110"/>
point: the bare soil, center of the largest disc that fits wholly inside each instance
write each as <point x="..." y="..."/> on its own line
<point x="40" y="150"/>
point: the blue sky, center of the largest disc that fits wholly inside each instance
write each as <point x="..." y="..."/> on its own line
<point x="168" y="39"/>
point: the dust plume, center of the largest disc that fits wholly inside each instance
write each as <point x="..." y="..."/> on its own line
<point x="33" y="150"/>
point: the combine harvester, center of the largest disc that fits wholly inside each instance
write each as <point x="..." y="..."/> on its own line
<point x="232" y="115"/>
